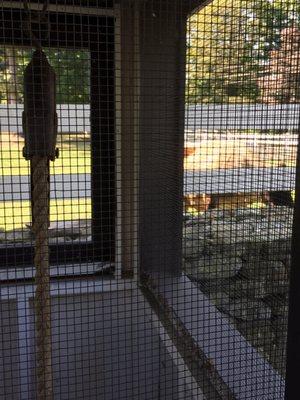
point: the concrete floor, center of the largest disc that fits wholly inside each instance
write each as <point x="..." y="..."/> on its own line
<point x="105" y="345"/>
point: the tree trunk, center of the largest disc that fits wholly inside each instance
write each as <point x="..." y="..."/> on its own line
<point x="11" y="62"/>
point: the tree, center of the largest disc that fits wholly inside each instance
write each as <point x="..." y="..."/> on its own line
<point x="229" y="43"/>
<point x="281" y="84"/>
<point x="11" y="69"/>
<point x="71" y="67"/>
<point x="217" y="55"/>
<point x="72" y="72"/>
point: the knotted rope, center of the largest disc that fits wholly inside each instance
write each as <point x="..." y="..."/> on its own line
<point x="40" y="215"/>
<point x="40" y="128"/>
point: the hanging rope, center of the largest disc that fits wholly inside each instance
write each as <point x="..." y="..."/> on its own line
<point x="40" y="215"/>
<point x="40" y="129"/>
<point x="39" y="18"/>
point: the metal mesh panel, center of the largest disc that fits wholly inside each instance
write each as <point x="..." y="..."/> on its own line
<point x="171" y="202"/>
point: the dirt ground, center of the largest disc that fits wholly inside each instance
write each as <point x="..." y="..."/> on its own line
<point x="215" y="154"/>
<point x="207" y="154"/>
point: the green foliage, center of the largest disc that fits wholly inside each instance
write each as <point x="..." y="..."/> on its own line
<point x="12" y="64"/>
<point x="228" y="47"/>
<point x="71" y="67"/>
<point x="72" y="72"/>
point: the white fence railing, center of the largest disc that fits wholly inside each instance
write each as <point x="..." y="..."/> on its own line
<point x="71" y="118"/>
<point x="76" y="117"/>
<point x="243" y="116"/>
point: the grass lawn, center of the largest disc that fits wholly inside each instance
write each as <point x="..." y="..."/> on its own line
<point x="74" y="158"/>
<point x="74" y="155"/>
<point x="16" y="214"/>
<point x="70" y="161"/>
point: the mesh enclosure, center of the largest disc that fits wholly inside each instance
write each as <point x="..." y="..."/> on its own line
<point x="151" y="256"/>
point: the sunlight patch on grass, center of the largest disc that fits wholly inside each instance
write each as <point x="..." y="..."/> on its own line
<point x="70" y="161"/>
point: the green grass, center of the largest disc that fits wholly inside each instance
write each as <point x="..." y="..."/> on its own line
<point x="74" y="158"/>
<point x="17" y="214"/>
<point x="70" y="161"/>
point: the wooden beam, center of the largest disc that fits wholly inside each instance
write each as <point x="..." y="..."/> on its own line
<point x="161" y="125"/>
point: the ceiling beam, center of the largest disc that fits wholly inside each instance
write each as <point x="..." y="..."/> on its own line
<point x="60" y="8"/>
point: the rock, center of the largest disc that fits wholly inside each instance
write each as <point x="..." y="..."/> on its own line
<point x="252" y="251"/>
<point x="235" y="250"/>
<point x="187" y="217"/>
<point x="287" y="259"/>
<point x="218" y="214"/>
<point x="73" y="229"/>
<point x="247" y="310"/>
<point x="193" y="241"/>
<point x="258" y="333"/>
<point x="235" y="288"/>
<point x="214" y="285"/>
<point x="280" y="328"/>
<point x="59" y="232"/>
<point x="279" y="306"/>
<point x="269" y="231"/>
<point x="213" y="267"/>
<point x="241" y="261"/>
<point x="252" y="289"/>
<point x="231" y="233"/>
<point x="199" y="220"/>
<point x="276" y="250"/>
<point x="17" y="235"/>
<point x="57" y="240"/>
<point x="249" y="213"/>
<point x="262" y="270"/>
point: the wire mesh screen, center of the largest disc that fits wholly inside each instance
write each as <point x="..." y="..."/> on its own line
<point x="74" y="163"/>
<point x="151" y="259"/>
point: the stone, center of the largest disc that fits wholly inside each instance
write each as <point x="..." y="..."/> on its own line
<point x="198" y="220"/>
<point x="258" y="332"/>
<point x="235" y="250"/>
<point x="279" y="306"/>
<point x="18" y="235"/>
<point x="262" y="270"/>
<point x="249" y="213"/>
<point x="59" y="232"/>
<point x="280" y="328"/>
<point x="193" y="241"/>
<point x="247" y="310"/>
<point x="241" y="261"/>
<point x="231" y="232"/>
<point x="218" y="214"/>
<point x="235" y="288"/>
<point x="213" y="267"/>
<point x="252" y="289"/>
<point x="276" y="250"/>
<point x="73" y="229"/>
<point x="57" y="240"/>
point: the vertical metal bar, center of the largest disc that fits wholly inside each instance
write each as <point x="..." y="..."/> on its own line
<point x="293" y="338"/>
<point x="103" y="143"/>
<point x="161" y="123"/>
<point x="118" y="141"/>
<point x="129" y="84"/>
